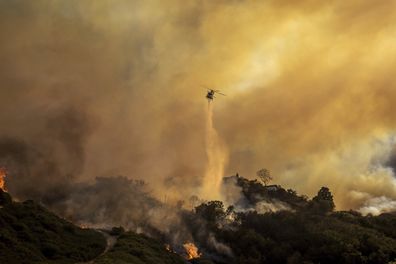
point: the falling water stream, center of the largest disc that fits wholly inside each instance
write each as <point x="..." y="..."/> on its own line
<point x="217" y="158"/>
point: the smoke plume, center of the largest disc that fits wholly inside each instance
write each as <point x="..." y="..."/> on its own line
<point x="98" y="88"/>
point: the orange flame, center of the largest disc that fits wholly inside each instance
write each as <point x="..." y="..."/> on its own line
<point x="191" y="251"/>
<point x="3" y="174"/>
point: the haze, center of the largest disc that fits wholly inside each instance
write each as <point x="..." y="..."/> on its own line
<point x="114" y="87"/>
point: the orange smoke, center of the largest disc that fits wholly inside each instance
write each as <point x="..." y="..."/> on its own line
<point x="3" y="174"/>
<point x="191" y="251"/>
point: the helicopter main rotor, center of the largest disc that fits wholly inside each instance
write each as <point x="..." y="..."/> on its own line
<point x="211" y="92"/>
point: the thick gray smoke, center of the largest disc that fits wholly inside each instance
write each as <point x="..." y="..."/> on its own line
<point x="119" y="201"/>
<point x="233" y="194"/>
<point x="49" y="159"/>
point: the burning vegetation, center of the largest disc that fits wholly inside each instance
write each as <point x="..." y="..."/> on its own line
<point x="192" y="251"/>
<point x="3" y="174"/>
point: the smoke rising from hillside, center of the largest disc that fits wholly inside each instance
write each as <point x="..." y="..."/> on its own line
<point x="378" y="205"/>
<point x="310" y="92"/>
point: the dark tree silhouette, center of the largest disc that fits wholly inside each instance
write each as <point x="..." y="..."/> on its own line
<point x="212" y="211"/>
<point x="323" y="201"/>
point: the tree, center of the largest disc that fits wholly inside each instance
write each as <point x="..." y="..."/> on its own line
<point x="212" y="211"/>
<point x="323" y="201"/>
<point x="264" y="175"/>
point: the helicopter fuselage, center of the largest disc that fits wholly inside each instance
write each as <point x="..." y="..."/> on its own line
<point x="210" y="95"/>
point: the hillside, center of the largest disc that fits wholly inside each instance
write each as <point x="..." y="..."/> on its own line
<point x="267" y="224"/>
<point x="138" y="249"/>
<point x="302" y="230"/>
<point x="30" y="233"/>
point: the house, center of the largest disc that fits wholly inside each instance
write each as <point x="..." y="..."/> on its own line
<point x="272" y="188"/>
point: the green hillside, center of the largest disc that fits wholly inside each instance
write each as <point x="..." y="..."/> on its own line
<point x="29" y="233"/>
<point x="135" y="248"/>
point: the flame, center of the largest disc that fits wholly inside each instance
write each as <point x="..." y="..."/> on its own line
<point x="191" y="251"/>
<point x="3" y="174"/>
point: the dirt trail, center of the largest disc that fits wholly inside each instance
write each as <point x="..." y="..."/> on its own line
<point x="111" y="240"/>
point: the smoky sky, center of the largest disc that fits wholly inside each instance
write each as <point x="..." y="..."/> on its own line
<point x="391" y="162"/>
<point x="310" y="92"/>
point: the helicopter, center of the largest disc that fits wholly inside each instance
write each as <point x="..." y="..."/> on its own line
<point x="211" y="93"/>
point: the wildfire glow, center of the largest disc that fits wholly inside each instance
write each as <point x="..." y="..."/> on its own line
<point x="191" y="251"/>
<point x="3" y="174"/>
